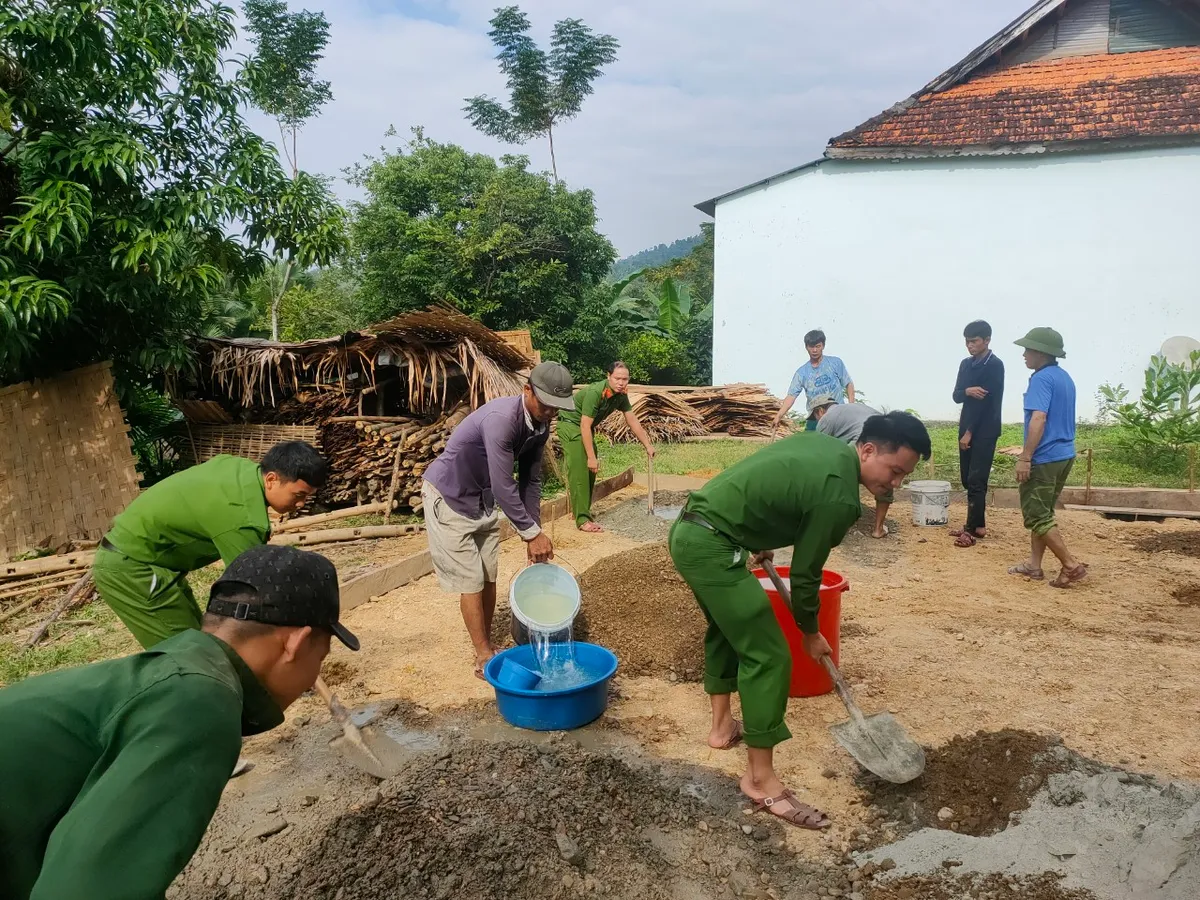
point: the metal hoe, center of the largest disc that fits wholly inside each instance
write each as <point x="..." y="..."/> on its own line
<point x="878" y="742"/>
<point x="364" y="748"/>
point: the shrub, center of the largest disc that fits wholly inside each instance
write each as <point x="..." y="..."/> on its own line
<point x="1157" y="426"/>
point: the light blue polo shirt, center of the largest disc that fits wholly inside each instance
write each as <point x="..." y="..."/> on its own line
<point x="830" y="377"/>
<point x="1052" y="391"/>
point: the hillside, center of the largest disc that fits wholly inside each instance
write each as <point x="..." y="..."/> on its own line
<point x="654" y="256"/>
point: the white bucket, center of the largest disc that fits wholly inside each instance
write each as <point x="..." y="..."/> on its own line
<point x="930" y="502"/>
<point x="531" y="588"/>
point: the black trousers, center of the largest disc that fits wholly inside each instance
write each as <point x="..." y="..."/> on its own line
<point x="975" y="468"/>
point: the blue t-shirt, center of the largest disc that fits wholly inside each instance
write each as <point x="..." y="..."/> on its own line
<point x="1052" y="391"/>
<point x="830" y="377"/>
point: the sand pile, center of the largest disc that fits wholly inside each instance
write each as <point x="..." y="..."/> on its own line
<point x="636" y="604"/>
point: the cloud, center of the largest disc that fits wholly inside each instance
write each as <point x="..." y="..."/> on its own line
<point x="707" y="95"/>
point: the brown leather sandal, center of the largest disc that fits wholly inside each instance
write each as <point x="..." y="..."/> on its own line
<point x="1066" y="579"/>
<point x="801" y="814"/>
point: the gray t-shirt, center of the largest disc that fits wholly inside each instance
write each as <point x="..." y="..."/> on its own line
<point x="845" y="421"/>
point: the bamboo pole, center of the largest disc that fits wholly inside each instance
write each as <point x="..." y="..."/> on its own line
<point x="34" y="585"/>
<point x="309" y="521"/>
<point x="1087" y="492"/>
<point x="18" y="609"/>
<point x="392" y="419"/>
<point x="66" y="601"/>
<point x="335" y="535"/>
<point x="46" y="565"/>
<point x="391" y="495"/>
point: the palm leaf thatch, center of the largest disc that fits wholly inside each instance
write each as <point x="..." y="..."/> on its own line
<point x="430" y="347"/>
<point x="666" y="419"/>
<point x="672" y="414"/>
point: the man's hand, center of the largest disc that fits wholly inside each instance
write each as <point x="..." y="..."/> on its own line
<point x="540" y="549"/>
<point x="976" y="393"/>
<point x="593" y="464"/>
<point x="650" y="450"/>
<point x="964" y="442"/>
<point x="816" y="646"/>
<point x="1024" y="467"/>
<point x="757" y="559"/>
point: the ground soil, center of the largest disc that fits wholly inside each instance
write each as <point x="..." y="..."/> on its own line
<point x="948" y="642"/>
<point x="1185" y="542"/>
<point x="632" y="518"/>
<point x="974" y="784"/>
<point x="1188" y="594"/>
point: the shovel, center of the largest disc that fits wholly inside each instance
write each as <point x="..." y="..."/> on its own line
<point x="878" y="742"/>
<point x="364" y="748"/>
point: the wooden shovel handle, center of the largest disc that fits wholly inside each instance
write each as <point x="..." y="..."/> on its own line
<point x="335" y="705"/>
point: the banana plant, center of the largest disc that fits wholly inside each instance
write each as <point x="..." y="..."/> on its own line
<point x="664" y="314"/>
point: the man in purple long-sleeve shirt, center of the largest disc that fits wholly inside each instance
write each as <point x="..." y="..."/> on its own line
<point x="471" y="483"/>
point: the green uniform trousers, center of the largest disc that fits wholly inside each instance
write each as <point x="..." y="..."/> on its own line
<point x="581" y="480"/>
<point x="744" y="647"/>
<point x="153" y="602"/>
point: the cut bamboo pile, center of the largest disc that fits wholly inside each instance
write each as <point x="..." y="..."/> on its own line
<point x="364" y="454"/>
<point x="667" y="419"/>
<point x="671" y="414"/>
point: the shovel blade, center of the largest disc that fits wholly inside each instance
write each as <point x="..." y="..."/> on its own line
<point x="881" y="745"/>
<point x="377" y="754"/>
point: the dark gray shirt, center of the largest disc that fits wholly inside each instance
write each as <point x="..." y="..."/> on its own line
<point x="845" y="422"/>
<point x="475" y="471"/>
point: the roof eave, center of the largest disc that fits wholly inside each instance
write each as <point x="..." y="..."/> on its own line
<point x="709" y="207"/>
<point x="1021" y="149"/>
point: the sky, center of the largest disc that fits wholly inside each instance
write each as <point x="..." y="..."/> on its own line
<point x="706" y="96"/>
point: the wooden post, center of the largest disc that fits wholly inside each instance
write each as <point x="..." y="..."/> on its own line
<point x="66" y="601"/>
<point x="650" y="483"/>
<point x="1087" y="491"/>
<point x="391" y="496"/>
<point x="1191" y="468"/>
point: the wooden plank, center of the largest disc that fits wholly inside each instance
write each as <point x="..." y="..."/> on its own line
<point x="1136" y="511"/>
<point x="47" y="564"/>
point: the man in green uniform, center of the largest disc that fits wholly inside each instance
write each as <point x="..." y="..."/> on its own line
<point x="577" y="436"/>
<point x="211" y="511"/>
<point x="802" y="491"/>
<point x="111" y="772"/>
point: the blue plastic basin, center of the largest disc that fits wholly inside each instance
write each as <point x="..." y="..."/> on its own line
<point x="554" y="710"/>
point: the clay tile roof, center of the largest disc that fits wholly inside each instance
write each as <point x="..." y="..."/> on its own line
<point x="1148" y="94"/>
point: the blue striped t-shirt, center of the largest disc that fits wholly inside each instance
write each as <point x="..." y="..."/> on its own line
<point x="830" y="377"/>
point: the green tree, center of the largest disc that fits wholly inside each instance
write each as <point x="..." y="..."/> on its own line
<point x="124" y="163"/>
<point x="501" y="243"/>
<point x="283" y="83"/>
<point x="1156" y="428"/>
<point x="545" y="88"/>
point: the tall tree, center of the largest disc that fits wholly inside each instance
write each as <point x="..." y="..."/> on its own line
<point x="282" y="77"/>
<point x="124" y="164"/>
<point x="501" y="243"/>
<point x="545" y="88"/>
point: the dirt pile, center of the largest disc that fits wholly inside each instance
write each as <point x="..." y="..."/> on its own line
<point x="495" y="820"/>
<point x="991" y="887"/>
<point x="973" y="784"/>
<point x="635" y="604"/>
<point x="1185" y="543"/>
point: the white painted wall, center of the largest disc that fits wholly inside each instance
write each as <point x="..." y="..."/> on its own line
<point x="893" y="259"/>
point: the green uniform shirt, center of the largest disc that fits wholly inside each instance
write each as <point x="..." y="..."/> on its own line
<point x="802" y="490"/>
<point x="111" y="772"/>
<point x="211" y="511"/>
<point x="597" y="401"/>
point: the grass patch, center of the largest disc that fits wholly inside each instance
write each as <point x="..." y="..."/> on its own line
<point x="67" y="645"/>
<point x="1112" y="465"/>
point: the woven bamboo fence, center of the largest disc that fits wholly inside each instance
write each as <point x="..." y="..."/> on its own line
<point x="250" y="441"/>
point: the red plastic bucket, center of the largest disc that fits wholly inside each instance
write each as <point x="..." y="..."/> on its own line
<point x="809" y="679"/>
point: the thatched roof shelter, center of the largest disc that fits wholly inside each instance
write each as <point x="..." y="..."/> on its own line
<point x="433" y="354"/>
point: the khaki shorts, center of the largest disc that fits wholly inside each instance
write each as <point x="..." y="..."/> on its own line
<point x="466" y="552"/>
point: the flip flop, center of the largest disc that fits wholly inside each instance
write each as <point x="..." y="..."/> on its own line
<point x="801" y="814"/>
<point x="880" y="537"/>
<point x="1066" y="579"/>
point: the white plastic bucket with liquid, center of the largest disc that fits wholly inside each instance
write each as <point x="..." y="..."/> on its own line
<point x="930" y="502"/>
<point x="537" y="589"/>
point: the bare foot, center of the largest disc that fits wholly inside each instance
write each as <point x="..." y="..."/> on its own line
<point x="727" y="736"/>
<point x="590" y="528"/>
<point x="881" y="532"/>
<point x="481" y="661"/>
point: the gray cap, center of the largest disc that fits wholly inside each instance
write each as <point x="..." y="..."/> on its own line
<point x="820" y="400"/>
<point x="552" y="384"/>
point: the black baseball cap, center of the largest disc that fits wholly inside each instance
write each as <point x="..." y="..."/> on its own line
<point x="551" y="383"/>
<point x="289" y="587"/>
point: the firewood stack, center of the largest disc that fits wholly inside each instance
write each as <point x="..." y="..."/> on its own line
<point x="362" y="455"/>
